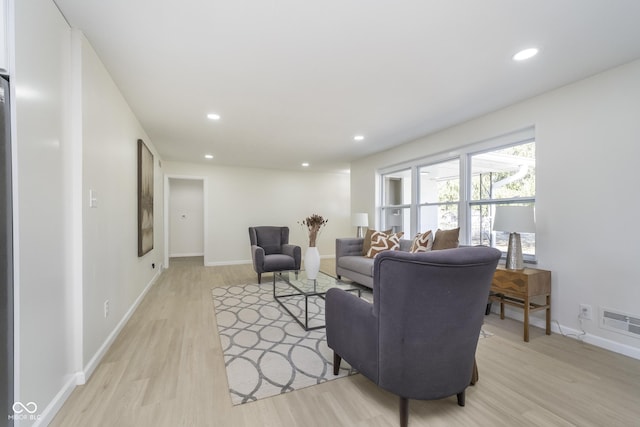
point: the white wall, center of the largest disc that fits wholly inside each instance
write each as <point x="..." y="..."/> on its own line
<point x="112" y="269"/>
<point x="186" y="217"/>
<point x="44" y="341"/>
<point x="73" y="132"/>
<point x="587" y="199"/>
<point x="238" y="198"/>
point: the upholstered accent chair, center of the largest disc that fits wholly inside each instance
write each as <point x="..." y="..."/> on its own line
<point x="418" y="339"/>
<point x="271" y="251"/>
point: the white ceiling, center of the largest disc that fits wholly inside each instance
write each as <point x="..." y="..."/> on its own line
<point x="295" y="80"/>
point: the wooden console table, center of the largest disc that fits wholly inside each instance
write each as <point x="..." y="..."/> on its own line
<point x="517" y="287"/>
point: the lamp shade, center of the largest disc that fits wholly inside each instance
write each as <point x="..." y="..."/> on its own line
<point x="514" y="219"/>
<point x="360" y="220"/>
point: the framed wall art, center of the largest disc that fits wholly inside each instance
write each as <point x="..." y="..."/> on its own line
<point x="145" y="199"/>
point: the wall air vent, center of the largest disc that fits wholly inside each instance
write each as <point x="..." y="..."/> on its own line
<point x="624" y="323"/>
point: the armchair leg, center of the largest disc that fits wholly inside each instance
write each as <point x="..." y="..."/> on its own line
<point x="404" y="411"/>
<point x="461" y="398"/>
<point x="336" y="363"/>
<point x="259" y="277"/>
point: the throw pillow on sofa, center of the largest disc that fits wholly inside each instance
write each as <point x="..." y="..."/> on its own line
<point x="381" y="242"/>
<point x="446" y="239"/>
<point x="422" y="242"/>
<point x="366" y="244"/>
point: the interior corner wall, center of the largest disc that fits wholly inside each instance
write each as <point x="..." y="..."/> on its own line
<point x="237" y="198"/>
<point x="587" y="178"/>
<point x="112" y="270"/>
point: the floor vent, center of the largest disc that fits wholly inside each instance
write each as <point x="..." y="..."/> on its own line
<point x="624" y="323"/>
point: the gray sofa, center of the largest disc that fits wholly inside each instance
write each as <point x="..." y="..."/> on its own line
<point x="351" y="264"/>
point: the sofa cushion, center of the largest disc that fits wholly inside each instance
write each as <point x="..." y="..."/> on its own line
<point x="357" y="263"/>
<point x="446" y="239"/>
<point x="381" y="242"/>
<point x="366" y="243"/>
<point x="422" y="242"/>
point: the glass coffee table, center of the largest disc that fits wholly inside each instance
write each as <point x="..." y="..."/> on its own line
<point x="303" y="298"/>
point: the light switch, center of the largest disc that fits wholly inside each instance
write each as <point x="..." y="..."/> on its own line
<point x="93" y="199"/>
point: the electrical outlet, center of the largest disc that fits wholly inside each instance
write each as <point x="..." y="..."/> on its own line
<point x="106" y="308"/>
<point x="586" y="312"/>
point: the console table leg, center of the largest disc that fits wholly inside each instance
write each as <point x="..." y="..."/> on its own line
<point x="548" y="315"/>
<point x="526" y="318"/>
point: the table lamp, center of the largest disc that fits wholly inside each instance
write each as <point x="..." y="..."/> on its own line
<point x="360" y="220"/>
<point x="514" y="220"/>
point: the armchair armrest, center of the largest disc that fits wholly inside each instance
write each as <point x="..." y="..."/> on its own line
<point x="293" y="251"/>
<point x="352" y="331"/>
<point x="257" y="254"/>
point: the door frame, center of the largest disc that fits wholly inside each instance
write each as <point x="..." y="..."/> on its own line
<point x="205" y="225"/>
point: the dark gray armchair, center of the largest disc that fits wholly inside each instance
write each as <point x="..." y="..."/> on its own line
<point x="271" y="251"/>
<point x="418" y="339"/>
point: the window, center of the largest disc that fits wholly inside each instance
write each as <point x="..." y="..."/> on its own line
<point x="396" y="208"/>
<point x="501" y="177"/>
<point x="439" y="197"/>
<point x="463" y="190"/>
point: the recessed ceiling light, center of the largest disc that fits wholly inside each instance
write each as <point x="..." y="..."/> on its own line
<point x="208" y="156"/>
<point x="305" y="164"/>
<point x="213" y="116"/>
<point x="525" y="54"/>
<point x="358" y="137"/>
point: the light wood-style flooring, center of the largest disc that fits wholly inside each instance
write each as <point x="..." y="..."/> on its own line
<point x="166" y="369"/>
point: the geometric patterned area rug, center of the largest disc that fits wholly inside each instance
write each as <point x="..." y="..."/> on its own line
<point x="265" y="351"/>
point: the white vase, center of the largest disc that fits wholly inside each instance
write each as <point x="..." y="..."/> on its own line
<point x="312" y="262"/>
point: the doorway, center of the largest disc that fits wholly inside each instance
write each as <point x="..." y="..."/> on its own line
<point x="185" y="218"/>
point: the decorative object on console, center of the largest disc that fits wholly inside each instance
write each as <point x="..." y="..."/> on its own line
<point x="314" y="224"/>
<point x="514" y="220"/>
<point x="360" y="220"/>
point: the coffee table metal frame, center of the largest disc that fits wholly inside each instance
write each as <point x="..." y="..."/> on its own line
<point x="307" y="288"/>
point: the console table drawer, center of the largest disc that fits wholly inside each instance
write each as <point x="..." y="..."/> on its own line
<point x="529" y="281"/>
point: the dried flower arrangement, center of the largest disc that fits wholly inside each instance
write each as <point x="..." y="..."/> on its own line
<point x="313" y="223"/>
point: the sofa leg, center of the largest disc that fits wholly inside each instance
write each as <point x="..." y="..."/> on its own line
<point x="259" y="277"/>
<point x="404" y="411"/>
<point x="461" y="398"/>
<point x="336" y="363"/>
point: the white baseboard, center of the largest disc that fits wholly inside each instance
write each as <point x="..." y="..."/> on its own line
<point x="588" y="338"/>
<point x="95" y="360"/>
<point x="186" y="255"/>
<point x="46" y="416"/>
<point x="79" y="378"/>
<point x="219" y="263"/>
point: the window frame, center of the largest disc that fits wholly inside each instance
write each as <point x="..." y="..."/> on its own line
<point x="464" y="155"/>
